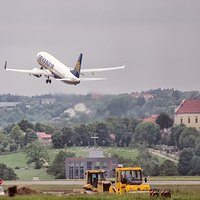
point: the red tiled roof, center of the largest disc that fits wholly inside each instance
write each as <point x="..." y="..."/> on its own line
<point x="43" y="135"/>
<point x="151" y="119"/>
<point x="189" y="106"/>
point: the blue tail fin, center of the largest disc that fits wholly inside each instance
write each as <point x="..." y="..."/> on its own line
<point x="77" y="69"/>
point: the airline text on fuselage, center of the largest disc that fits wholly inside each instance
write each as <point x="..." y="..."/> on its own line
<point x="44" y="61"/>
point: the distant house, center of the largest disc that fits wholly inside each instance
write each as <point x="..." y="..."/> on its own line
<point x="135" y="94"/>
<point x="48" y="101"/>
<point x="188" y="113"/>
<point x="46" y="139"/>
<point x="8" y="104"/>
<point x="147" y="96"/>
<point x="144" y="95"/>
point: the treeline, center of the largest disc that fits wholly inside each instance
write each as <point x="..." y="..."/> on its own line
<point x="114" y="131"/>
<point x="98" y="107"/>
<point x="117" y="132"/>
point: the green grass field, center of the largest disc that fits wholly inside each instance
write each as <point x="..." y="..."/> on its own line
<point x="123" y="152"/>
<point x="27" y="173"/>
<point x="178" y="193"/>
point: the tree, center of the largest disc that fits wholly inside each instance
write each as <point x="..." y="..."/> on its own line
<point x="9" y="128"/>
<point x="57" y="168"/>
<point x="102" y="131"/>
<point x="146" y="133"/>
<point x="188" y="138"/>
<point x="120" y="105"/>
<point x="184" y="163"/>
<point x="44" y="128"/>
<point x="175" y="134"/>
<point x="57" y="139"/>
<point x="154" y="169"/>
<point x="195" y="166"/>
<point x="197" y="150"/>
<point x="37" y="154"/>
<point x="148" y="162"/>
<point x="168" y="168"/>
<point x="68" y="136"/>
<point x="122" y="129"/>
<point x="4" y="139"/>
<point x="82" y="135"/>
<point x="164" y="121"/>
<point x="17" y="135"/>
<point x="7" y="173"/>
<point x="39" y="127"/>
<point x="25" y="124"/>
<point x="29" y="137"/>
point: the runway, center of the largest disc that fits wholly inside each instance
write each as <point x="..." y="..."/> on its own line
<point x="82" y="182"/>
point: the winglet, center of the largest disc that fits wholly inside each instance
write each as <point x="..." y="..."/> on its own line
<point x="77" y="69"/>
<point x="5" y="66"/>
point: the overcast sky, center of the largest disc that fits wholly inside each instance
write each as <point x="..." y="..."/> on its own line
<point x="158" y="39"/>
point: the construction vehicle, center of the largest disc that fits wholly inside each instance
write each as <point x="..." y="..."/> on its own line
<point x="96" y="181"/>
<point x="126" y="180"/>
<point x="129" y="180"/>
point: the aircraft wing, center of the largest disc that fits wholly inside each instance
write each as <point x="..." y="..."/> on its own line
<point x="102" y="69"/>
<point x="34" y="71"/>
<point x="81" y="79"/>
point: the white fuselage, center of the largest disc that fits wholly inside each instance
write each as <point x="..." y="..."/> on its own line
<point x="57" y="68"/>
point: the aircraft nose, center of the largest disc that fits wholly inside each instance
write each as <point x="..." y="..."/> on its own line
<point x="38" y="55"/>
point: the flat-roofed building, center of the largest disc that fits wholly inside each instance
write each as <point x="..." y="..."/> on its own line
<point x="75" y="168"/>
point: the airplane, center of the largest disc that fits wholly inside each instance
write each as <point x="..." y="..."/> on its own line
<point x="51" y="67"/>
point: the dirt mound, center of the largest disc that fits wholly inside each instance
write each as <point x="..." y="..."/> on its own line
<point x="20" y="190"/>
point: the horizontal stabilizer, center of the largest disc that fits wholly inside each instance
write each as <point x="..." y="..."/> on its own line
<point x="102" y="69"/>
<point x="63" y="79"/>
<point x="92" y="79"/>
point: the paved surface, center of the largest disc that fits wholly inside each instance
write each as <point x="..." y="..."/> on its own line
<point x="162" y="155"/>
<point x="67" y="182"/>
<point x="54" y="182"/>
<point x="174" y="182"/>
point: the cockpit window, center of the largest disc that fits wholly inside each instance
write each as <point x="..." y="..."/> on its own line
<point x="131" y="177"/>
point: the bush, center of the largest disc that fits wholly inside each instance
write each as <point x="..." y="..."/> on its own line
<point x="7" y="173"/>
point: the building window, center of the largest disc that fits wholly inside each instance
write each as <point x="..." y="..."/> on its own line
<point x="105" y="165"/>
<point x="71" y="172"/>
<point x="196" y="119"/>
<point x="76" y="172"/>
<point x="188" y="120"/>
<point x="89" y="165"/>
<point x="97" y="165"/>
<point x="181" y="120"/>
<point x="81" y="172"/>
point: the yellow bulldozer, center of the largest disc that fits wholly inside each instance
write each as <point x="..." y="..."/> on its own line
<point x="129" y="180"/>
<point x="126" y="180"/>
<point x="96" y="181"/>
